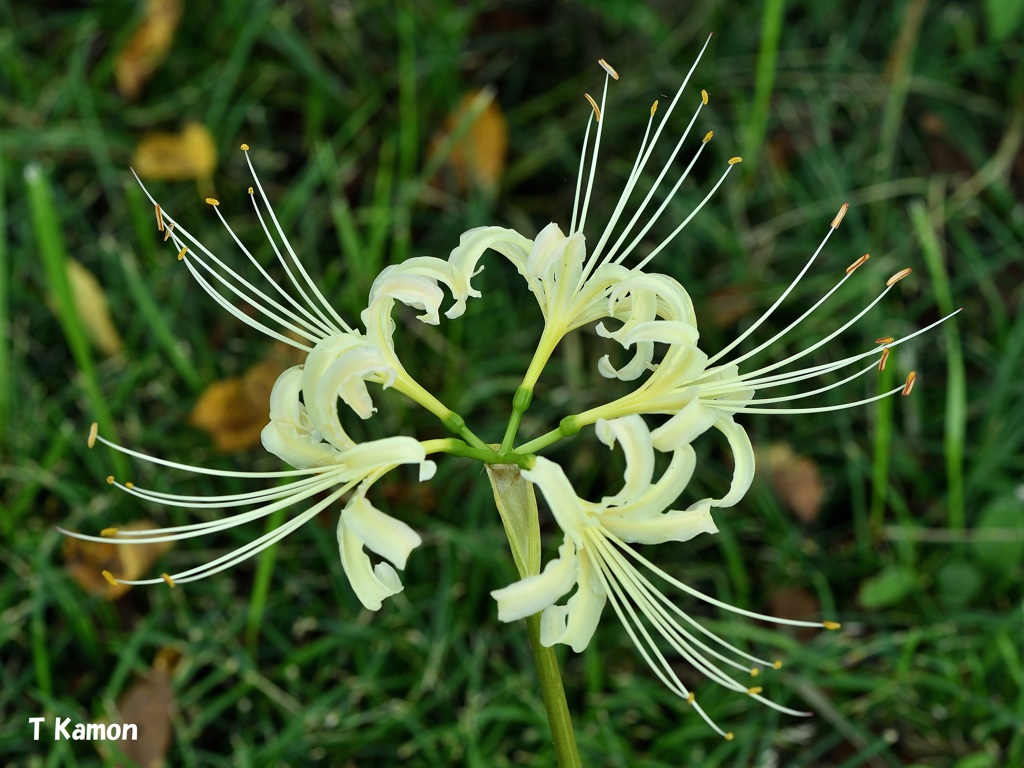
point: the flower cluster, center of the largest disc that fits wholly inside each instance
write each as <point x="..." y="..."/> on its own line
<point x="575" y="285"/>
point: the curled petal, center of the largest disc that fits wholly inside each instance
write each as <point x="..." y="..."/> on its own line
<point x="574" y="623"/>
<point x="380" y="533"/>
<point x="632" y="434"/>
<point x="565" y="505"/>
<point x="693" y="419"/>
<point x="372" y="584"/>
<point x="464" y="257"/>
<point x="535" y="593"/>
<point x="297" y="447"/>
<point x="339" y="367"/>
<point x="414" y="291"/>
<point x="659" y="496"/>
<point x="675" y="525"/>
<point x="743" y="458"/>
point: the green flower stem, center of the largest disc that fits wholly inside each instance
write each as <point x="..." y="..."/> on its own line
<point x="553" y="694"/>
<point x="524" y="395"/>
<point x="567" y="427"/>
<point x="487" y="455"/>
<point x="517" y="505"/>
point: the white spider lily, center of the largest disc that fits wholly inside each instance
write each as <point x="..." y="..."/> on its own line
<point x="300" y="315"/>
<point x="305" y="429"/>
<point x="334" y="472"/>
<point x="699" y="391"/>
<point x="596" y="559"/>
<point x="574" y="289"/>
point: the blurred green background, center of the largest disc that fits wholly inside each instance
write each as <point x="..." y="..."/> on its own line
<point x="912" y="111"/>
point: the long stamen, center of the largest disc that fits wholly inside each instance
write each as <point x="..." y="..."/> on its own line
<point x="757" y="324"/>
<point x="664" y="243"/>
<point x="318" y="327"/>
<point x="205" y="470"/>
<point x="628" y="190"/>
<point x="291" y="252"/>
<point x="618" y="259"/>
<point x="242" y="294"/>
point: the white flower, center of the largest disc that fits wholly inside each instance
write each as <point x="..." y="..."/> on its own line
<point x="305" y="428"/>
<point x="596" y="559"/>
<point x="336" y="473"/>
<point x="574" y="288"/>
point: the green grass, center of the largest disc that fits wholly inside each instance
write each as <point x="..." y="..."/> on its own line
<point x="915" y="119"/>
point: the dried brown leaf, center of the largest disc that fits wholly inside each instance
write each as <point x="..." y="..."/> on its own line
<point x="795" y="479"/>
<point x="148" y="47"/>
<point x="86" y="560"/>
<point x="190" y="154"/>
<point x="149" y="703"/>
<point x="234" y="411"/>
<point x="478" y="157"/>
<point x="93" y="309"/>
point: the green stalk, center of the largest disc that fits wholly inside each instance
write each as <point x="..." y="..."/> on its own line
<point x="955" y="422"/>
<point x="517" y="505"/>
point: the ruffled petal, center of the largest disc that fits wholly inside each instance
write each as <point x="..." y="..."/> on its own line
<point x="743" y="459"/>
<point x="472" y="245"/>
<point x="675" y="525"/>
<point x="297" y="447"/>
<point x="380" y="533"/>
<point x="692" y="419"/>
<point x="633" y="436"/>
<point x="339" y="367"/>
<point x="574" y="623"/>
<point x="371" y="584"/>
<point x="662" y="494"/>
<point x="558" y="492"/>
<point x="535" y="593"/>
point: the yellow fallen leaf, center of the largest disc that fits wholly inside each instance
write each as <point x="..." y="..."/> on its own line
<point x="190" y="154"/>
<point x="92" y="308"/>
<point x="148" y="47"/>
<point x="234" y="411"/>
<point x="795" y="479"/>
<point x="86" y="561"/>
<point x="477" y="158"/>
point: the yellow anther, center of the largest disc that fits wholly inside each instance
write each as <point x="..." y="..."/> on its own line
<point x="250" y="190"/>
<point x="608" y="68"/>
<point x="839" y="216"/>
<point x="594" y="105"/>
<point x="703" y="97"/>
<point x="182" y="252"/>
<point x="897" y="277"/>
<point x="691" y="697"/>
<point x="129" y="485"/>
<point x="885" y="340"/>
<point x="734" y="160"/>
<point x="110" y="479"/>
<point x="164" y="576"/>
<point x="654" y="107"/>
<point x="885" y="356"/>
<point x="167" y="231"/>
<point x="858" y="262"/>
<point x="755" y="690"/>
<point x="108" y="533"/>
<point x="109" y="577"/>
<point x="707" y="137"/>
<point x="832" y="625"/>
<point x="729" y="736"/>
<point x="159" y="218"/>
<point x="909" y="386"/>
<point x="94" y="429"/>
<point x="244" y="147"/>
<point x="777" y="664"/>
<point x="754" y="671"/>
<point x="213" y="201"/>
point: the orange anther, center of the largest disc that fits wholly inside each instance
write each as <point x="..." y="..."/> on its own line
<point x="159" y="218"/>
<point x="909" y="386"/>
<point x="858" y="262"/>
<point x="594" y="105"/>
<point x="897" y="277"/>
<point x="608" y="68"/>
<point x="839" y="216"/>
